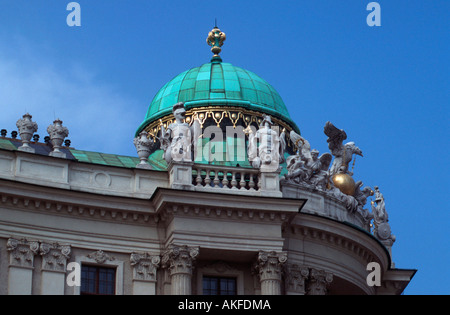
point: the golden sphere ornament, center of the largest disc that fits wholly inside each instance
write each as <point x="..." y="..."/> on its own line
<point x="345" y="183"/>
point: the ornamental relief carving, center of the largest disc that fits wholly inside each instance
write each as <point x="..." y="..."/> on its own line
<point x="54" y="256"/>
<point x="269" y="265"/>
<point x="180" y="259"/>
<point x="145" y="266"/>
<point x="22" y="252"/>
<point x="100" y="257"/>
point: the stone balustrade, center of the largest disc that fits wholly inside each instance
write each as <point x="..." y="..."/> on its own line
<point x="225" y="177"/>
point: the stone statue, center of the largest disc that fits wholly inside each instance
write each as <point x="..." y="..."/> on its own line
<point x="270" y="152"/>
<point x="343" y="153"/>
<point x="179" y="138"/>
<point x="306" y="166"/>
<point x="382" y="229"/>
<point x="362" y="194"/>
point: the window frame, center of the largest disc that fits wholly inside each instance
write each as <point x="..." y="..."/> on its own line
<point x="219" y="287"/>
<point x="220" y="269"/>
<point x="98" y="269"/>
<point x="118" y="265"/>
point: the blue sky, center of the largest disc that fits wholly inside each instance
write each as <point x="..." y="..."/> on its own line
<point x="387" y="86"/>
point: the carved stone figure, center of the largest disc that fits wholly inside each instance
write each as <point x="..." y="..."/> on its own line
<point x="362" y="194"/>
<point x="382" y="229"/>
<point x="306" y="166"/>
<point x="26" y="128"/>
<point x="343" y="153"/>
<point x="270" y="152"/>
<point x="178" y="139"/>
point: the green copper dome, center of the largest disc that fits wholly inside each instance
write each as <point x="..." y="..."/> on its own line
<point x="215" y="84"/>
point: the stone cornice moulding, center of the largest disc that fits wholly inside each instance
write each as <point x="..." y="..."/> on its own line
<point x="70" y="174"/>
<point x="343" y="237"/>
<point x="171" y="202"/>
<point x="87" y="205"/>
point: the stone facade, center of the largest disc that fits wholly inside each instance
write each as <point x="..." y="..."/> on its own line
<point x="162" y="234"/>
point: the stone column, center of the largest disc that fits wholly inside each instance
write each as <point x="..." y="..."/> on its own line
<point x="179" y="261"/>
<point x="269" y="266"/>
<point x="145" y="266"/>
<point x="294" y="279"/>
<point x="54" y="261"/>
<point x="318" y="282"/>
<point x="21" y="260"/>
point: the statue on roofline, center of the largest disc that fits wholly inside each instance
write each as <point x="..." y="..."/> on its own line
<point x="178" y="140"/>
<point x="382" y="229"/>
<point x="343" y="153"/>
<point x="306" y="166"/>
<point x="269" y="154"/>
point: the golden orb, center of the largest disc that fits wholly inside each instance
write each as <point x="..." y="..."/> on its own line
<point x="345" y="183"/>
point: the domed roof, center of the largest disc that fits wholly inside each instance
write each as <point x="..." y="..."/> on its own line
<point x="218" y="83"/>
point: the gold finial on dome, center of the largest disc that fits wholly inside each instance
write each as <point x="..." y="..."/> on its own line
<point x="215" y="39"/>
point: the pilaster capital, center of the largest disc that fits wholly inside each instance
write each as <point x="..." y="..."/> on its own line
<point x="22" y="252"/>
<point x="318" y="282"/>
<point x="269" y="265"/>
<point x="145" y="266"/>
<point x="295" y="277"/>
<point x="180" y="259"/>
<point x="54" y="256"/>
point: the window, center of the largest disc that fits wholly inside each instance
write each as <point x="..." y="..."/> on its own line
<point x="97" y="280"/>
<point x="219" y="286"/>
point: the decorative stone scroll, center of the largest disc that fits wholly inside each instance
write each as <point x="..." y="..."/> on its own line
<point x="100" y="257"/>
<point x="145" y="266"/>
<point x="54" y="256"/>
<point x="22" y="252"/>
<point x="319" y="281"/>
<point x="269" y="266"/>
<point x="179" y="260"/>
<point x="295" y="278"/>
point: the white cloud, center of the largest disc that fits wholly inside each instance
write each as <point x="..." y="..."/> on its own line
<point x="99" y="118"/>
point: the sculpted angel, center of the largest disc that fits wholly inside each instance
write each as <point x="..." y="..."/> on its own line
<point x="343" y="153"/>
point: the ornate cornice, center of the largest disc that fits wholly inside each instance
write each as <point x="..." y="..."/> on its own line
<point x="61" y="207"/>
<point x="367" y="249"/>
